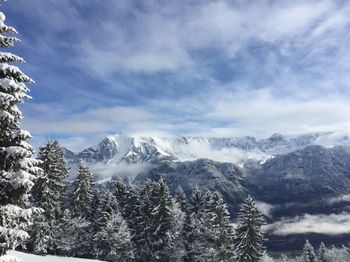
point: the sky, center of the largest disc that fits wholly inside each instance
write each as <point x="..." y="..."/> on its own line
<point x="198" y="68"/>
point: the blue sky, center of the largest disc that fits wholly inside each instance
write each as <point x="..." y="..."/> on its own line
<point x="211" y="68"/>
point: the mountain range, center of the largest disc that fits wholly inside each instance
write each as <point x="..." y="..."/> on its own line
<point x="289" y="176"/>
<point x="135" y="149"/>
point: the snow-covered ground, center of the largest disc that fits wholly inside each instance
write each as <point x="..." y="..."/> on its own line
<point x="34" y="258"/>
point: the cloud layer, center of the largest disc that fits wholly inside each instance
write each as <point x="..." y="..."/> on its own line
<point x="333" y="224"/>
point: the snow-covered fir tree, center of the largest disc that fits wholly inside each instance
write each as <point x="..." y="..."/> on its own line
<point x="321" y="254"/>
<point x="181" y="199"/>
<point x="94" y="220"/>
<point x="308" y="253"/>
<point x="194" y="228"/>
<point x="68" y="242"/>
<point x="113" y="239"/>
<point x="142" y="239"/>
<point x="132" y="213"/>
<point x="176" y="245"/>
<point x="120" y="192"/>
<point x="249" y="238"/>
<point x="105" y="213"/>
<point x="118" y="239"/>
<point x="161" y="221"/>
<point x="219" y="232"/>
<point x="82" y="192"/>
<point x="18" y="169"/>
<point x="48" y="195"/>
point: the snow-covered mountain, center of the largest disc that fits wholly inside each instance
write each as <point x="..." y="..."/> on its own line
<point x="135" y="149"/>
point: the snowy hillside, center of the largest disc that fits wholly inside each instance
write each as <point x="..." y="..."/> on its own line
<point x="34" y="258"/>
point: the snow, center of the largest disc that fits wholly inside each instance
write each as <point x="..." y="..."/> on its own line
<point x="34" y="258"/>
<point x="2" y="17"/>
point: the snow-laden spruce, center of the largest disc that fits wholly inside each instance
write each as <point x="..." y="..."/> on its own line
<point x="18" y="169"/>
<point x="249" y="237"/>
<point x="48" y="195"/>
<point x="82" y="194"/>
<point x="308" y="253"/>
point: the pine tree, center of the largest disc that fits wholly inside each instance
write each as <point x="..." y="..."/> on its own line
<point x="161" y="221"/>
<point x="48" y="194"/>
<point x="50" y="188"/>
<point x="94" y="220"/>
<point x="308" y="252"/>
<point x="132" y="213"/>
<point x="142" y="239"/>
<point x="82" y="192"/>
<point x="105" y="213"/>
<point x="120" y="193"/>
<point x="322" y="253"/>
<point x="194" y="228"/>
<point x="176" y="245"/>
<point x="18" y="169"/>
<point x="218" y="228"/>
<point x="67" y="235"/>
<point x="113" y="239"/>
<point x="117" y="235"/>
<point x="248" y="236"/>
<point x="181" y="199"/>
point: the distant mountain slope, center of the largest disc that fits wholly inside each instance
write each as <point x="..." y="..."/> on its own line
<point x="305" y="174"/>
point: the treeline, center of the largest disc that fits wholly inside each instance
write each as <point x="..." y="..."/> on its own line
<point x="131" y="223"/>
<point x="309" y="254"/>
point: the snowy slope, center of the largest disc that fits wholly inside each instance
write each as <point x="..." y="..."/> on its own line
<point x="34" y="258"/>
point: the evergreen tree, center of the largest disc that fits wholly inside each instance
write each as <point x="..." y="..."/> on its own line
<point x="117" y="237"/>
<point x="194" y="229"/>
<point x="322" y="253"/>
<point x="113" y="240"/>
<point x="82" y="192"/>
<point x="143" y="237"/>
<point x="120" y="193"/>
<point x="161" y="222"/>
<point x="67" y="234"/>
<point x="18" y="169"/>
<point x="218" y="228"/>
<point x="308" y="253"/>
<point x="176" y="245"/>
<point x="248" y="236"/>
<point x="94" y="221"/>
<point x="105" y="213"/>
<point x="132" y="213"/>
<point x="181" y="199"/>
<point x="48" y="196"/>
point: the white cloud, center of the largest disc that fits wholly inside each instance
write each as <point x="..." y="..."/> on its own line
<point x="264" y="208"/>
<point x="92" y="121"/>
<point x="333" y="224"/>
<point x="259" y="112"/>
<point x="107" y="171"/>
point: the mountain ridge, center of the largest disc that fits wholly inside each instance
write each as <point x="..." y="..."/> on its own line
<point x="134" y="149"/>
